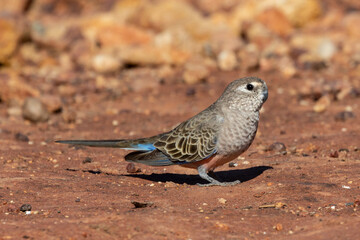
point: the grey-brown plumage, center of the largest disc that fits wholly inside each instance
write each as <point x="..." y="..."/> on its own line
<point x="211" y="138"/>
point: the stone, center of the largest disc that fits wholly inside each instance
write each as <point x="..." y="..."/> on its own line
<point x="299" y="12"/>
<point x="14" y="111"/>
<point x="21" y="137"/>
<point x="105" y="63"/>
<point x="9" y="37"/>
<point x="52" y="102"/>
<point x="275" y="21"/>
<point x="322" y="104"/>
<point x="345" y="92"/>
<point x="227" y="60"/>
<point x="176" y="14"/>
<point x="131" y="168"/>
<point x="34" y="110"/>
<point x="195" y="71"/>
<point x="287" y="67"/>
<point x="51" y="33"/>
<point x="112" y="34"/>
<point x="277" y="147"/>
<point x="222" y="200"/>
<point x="326" y="49"/>
<point x="315" y="46"/>
<point x="344" y="116"/>
<point x="25" y="207"/>
<point x="244" y="12"/>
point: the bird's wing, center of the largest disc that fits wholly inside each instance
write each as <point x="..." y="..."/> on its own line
<point x="193" y="140"/>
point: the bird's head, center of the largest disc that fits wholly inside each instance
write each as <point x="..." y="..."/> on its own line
<point x="246" y="94"/>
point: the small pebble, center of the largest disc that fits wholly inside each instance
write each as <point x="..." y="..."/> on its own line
<point x="258" y="195"/>
<point x="21" y="137"/>
<point x="131" y="168"/>
<point x="222" y="200"/>
<point x="232" y="164"/>
<point x="344" y="150"/>
<point x="87" y="160"/>
<point x="190" y="91"/>
<point x="34" y="110"/>
<point x="334" y="154"/>
<point x="221" y="226"/>
<point x="142" y="204"/>
<point x="277" y="147"/>
<point x="25" y="207"/>
<point x="104" y="63"/>
<point x="115" y="122"/>
<point x="14" y="111"/>
<point x="247" y="207"/>
<point x="278" y="227"/>
<point x="227" y="60"/>
<point x="293" y="149"/>
<point x="343" y="116"/>
<point x="322" y="104"/>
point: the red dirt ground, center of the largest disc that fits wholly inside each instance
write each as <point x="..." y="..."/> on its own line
<point x="311" y="192"/>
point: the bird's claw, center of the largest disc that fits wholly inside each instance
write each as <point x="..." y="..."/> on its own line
<point x="217" y="183"/>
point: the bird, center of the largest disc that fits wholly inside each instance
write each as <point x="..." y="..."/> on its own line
<point x="212" y="138"/>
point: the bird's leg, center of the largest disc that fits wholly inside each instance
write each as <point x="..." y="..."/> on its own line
<point x="212" y="181"/>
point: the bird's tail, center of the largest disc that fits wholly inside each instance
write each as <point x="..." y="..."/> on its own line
<point x="143" y="144"/>
<point x="145" y="153"/>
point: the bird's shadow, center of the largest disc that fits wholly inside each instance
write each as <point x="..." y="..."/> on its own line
<point x="225" y="176"/>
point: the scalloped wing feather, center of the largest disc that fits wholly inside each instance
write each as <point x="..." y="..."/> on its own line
<point x="193" y="140"/>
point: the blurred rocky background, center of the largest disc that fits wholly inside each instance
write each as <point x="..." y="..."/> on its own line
<point x="54" y="51"/>
<point x="107" y="69"/>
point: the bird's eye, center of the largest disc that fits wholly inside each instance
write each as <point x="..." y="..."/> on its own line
<point x="249" y="86"/>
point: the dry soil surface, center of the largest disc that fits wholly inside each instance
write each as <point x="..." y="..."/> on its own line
<point x="309" y="191"/>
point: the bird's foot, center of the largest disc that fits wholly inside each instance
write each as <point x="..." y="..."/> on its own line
<point x="217" y="183"/>
<point x="212" y="181"/>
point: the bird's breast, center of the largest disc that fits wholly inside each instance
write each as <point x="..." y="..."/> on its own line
<point x="237" y="133"/>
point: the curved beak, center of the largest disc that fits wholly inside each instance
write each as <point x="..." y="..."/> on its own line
<point x="265" y="95"/>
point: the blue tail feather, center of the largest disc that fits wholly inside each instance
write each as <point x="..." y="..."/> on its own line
<point x="142" y="146"/>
